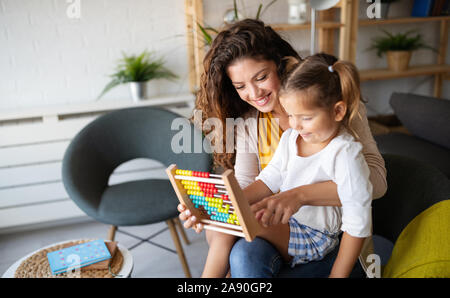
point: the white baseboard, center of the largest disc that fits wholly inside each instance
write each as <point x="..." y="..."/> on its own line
<point x="45" y="225"/>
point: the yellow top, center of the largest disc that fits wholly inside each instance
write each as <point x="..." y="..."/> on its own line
<point x="269" y="134"/>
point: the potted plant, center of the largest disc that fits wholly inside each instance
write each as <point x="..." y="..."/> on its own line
<point x="398" y="48"/>
<point x="137" y="71"/>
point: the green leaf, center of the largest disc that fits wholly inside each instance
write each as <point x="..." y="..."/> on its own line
<point x="259" y="11"/>
<point x="109" y="86"/>
<point x="206" y="35"/>
<point x="211" y="29"/>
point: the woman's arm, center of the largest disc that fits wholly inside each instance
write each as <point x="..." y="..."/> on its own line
<point x="371" y="154"/>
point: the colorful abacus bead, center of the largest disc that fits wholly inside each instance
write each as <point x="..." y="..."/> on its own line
<point x="222" y="217"/>
<point x="200" y="174"/>
<point x="198" y="201"/>
<point x="192" y="173"/>
<point x="192" y="187"/>
<point x="183" y="172"/>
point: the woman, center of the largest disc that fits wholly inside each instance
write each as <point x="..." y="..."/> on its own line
<point x="242" y="77"/>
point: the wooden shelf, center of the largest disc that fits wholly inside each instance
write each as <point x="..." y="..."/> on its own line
<point x="347" y="25"/>
<point x="372" y="22"/>
<point x="413" y="71"/>
<point x="319" y="25"/>
<point x="328" y="22"/>
<point x="439" y="70"/>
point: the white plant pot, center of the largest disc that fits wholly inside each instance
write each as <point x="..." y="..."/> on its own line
<point x="138" y="91"/>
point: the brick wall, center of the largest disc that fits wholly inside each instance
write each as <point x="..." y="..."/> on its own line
<point x="50" y="56"/>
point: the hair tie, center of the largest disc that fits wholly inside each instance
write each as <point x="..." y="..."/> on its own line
<point x="330" y="68"/>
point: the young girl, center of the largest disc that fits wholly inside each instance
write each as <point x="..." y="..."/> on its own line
<point x="321" y="97"/>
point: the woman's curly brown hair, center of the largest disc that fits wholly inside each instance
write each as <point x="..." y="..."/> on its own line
<point x="217" y="96"/>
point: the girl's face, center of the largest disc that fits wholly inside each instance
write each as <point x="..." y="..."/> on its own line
<point x="256" y="82"/>
<point x="315" y="125"/>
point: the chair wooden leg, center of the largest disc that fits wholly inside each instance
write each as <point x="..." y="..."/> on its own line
<point x="112" y="233"/>
<point x="178" y="247"/>
<point x="181" y="230"/>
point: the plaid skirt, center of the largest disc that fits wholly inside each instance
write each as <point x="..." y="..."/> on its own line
<point x="307" y="244"/>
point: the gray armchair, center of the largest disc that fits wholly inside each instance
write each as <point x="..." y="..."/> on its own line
<point x="113" y="139"/>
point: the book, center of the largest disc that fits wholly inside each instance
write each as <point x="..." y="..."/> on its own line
<point x="77" y="256"/>
<point x="422" y="8"/>
<point x="112" y="248"/>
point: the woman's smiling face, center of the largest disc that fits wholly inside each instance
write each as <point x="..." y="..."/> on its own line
<point x="256" y="82"/>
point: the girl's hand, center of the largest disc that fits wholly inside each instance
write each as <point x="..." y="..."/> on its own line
<point x="190" y="221"/>
<point x="276" y="209"/>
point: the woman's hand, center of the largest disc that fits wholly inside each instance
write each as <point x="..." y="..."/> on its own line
<point x="190" y="221"/>
<point x="276" y="209"/>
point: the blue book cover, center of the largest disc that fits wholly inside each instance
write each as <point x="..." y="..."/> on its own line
<point x="78" y="256"/>
<point x="422" y="8"/>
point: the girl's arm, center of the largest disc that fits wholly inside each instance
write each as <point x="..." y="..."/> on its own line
<point x="280" y="207"/>
<point x="351" y="173"/>
<point x="256" y="191"/>
<point x="349" y="250"/>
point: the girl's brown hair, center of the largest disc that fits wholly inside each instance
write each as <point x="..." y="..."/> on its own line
<point x="217" y="96"/>
<point x="333" y="80"/>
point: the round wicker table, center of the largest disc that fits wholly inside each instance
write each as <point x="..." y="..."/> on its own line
<point x="35" y="264"/>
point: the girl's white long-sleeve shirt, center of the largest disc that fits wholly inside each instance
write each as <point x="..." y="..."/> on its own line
<point x="341" y="161"/>
<point x="248" y="165"/>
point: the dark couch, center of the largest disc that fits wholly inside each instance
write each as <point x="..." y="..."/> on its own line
<point x="413" y="187"/>
<point x="417" y="164"/>
<point x="428" y="121"/>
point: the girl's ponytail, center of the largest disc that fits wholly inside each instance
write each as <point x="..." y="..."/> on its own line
<point x="350" y="90"/>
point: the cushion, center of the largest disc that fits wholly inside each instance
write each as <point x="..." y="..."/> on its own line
<point x="425" y="117"/>
<point x="383" y="248"/>
<point x="138" y="202"/>
<point x="422" y="249"/>
<point x="406" y="145"/>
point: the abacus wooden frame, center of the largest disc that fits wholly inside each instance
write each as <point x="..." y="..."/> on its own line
<point x="249" y="226"/>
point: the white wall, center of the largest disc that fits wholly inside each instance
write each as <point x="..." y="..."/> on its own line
<point x="48" y="58"/>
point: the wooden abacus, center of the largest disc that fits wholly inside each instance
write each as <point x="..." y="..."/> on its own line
<point x="216" y="200"/>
